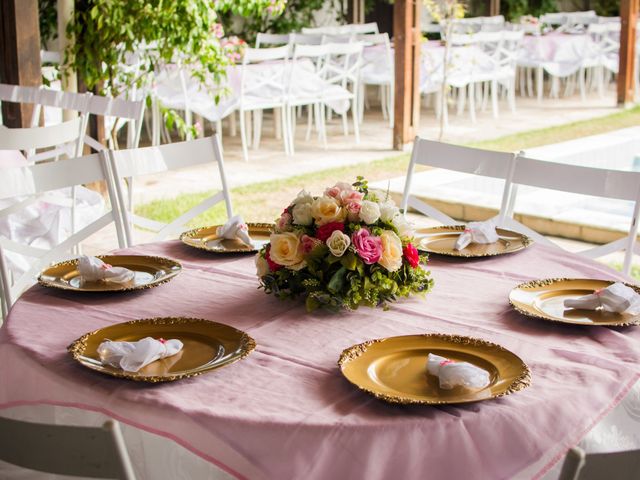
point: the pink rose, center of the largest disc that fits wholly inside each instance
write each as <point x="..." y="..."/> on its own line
<point x="333" y="192"/>
<point x="351" y="196"/>
<point x="369" y="247"/>
<point x="284" y="222"/>
<point x="308" y="243"/>
<point x="353" y="211"/>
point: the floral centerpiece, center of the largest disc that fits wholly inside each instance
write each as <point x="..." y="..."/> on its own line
<point x="348" y="247"/>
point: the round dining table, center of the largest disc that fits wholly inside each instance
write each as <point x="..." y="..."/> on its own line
<point x="286" y="412"/>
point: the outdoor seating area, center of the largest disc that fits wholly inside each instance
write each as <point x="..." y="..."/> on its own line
<point x="267" y="239"/>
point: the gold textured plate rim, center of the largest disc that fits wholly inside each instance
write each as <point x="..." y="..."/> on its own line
<point x="246" y="345"/>
<point x="175" y="266"/>
<point x="194" y="233"/>
<point x="517" y="305"/>
<point x="526" y="241"/>
<point x="522" y="381"/>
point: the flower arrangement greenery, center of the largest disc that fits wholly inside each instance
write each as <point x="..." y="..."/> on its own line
<point x="349" y="247"/>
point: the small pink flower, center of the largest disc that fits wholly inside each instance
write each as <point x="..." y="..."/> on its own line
<point x="333" y="192"/>
<point x="106" y="266"/>
<point x="351" y="196"/>
<point x="353" y="211"/>
<point x="284" y="222"/>
<point x="369" y="247"/>
<point x="309" y="243"/>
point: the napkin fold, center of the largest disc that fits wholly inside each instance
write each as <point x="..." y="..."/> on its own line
<point x="452" y="374"/>
<point x="615" y="298"/>
<point x="235" y="228"/>
<point x="477" y="232"/>
<point x="132" y="356"/>
<point x="93" y="269"/>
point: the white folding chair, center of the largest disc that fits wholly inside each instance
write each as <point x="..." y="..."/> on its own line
<point x="164" y="158"/>
<point x="484" y="163"/>
<point x="305" y="39"/>
<point x="264" y="78"/>
<point x="577" y="179"/>
<point x="378" y="72"/>
<point x="272" y="39"/>
<point x="297" y="97"/>
<point x="94" y="452"/>
<point x="342" y="73"/>
<point x="579" y="465"/>
<point x="34" y="180"/>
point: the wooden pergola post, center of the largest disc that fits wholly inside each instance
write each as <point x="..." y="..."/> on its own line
<point x="626" y="71"/>
<point x="494" y="7"/>
<point x="407" y="39"/>
<point x="356" y="11"/>
<point x="20" y="57"/>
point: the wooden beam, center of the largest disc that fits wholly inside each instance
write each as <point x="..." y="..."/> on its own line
<point x="356" y="11"/>
<point x="407" y="41"/>
<point x="626" y="82"/>
<point x="494" y="7"/>
<point x="20" y="57"/>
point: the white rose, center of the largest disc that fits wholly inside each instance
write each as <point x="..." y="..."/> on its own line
<point x="326" y="210"/>
<point x="391" y="257"/>
<point x="388" y="210"/>
<point x="262" y="267"/>
<point x="338" y="243"/>
<point x="369" y="212"/>
<point x="405" y="229"/>
<point x="302" y="214"/>
<point x="303" y="197"/>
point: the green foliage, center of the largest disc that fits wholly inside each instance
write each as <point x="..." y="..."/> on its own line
<point x="298" y="14"/>
<point x="48" y="13"/>
<point x="606" y="8"/>
<point x="514" y="9"/>
<point x="110" y="34"/>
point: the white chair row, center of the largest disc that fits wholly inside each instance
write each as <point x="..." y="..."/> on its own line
<point x="353" y="28"/>
<point x="112" y="167"/>
<point x="516" y="170"/>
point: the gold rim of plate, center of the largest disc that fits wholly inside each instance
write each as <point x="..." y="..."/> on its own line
<point x="441" y="241"/>
<point x="394" y="369"/>
<point x="544" y="300"/>
<point x="149" y="271"/>
<point x="206" y="238"/>
<point x="207" y="346"/>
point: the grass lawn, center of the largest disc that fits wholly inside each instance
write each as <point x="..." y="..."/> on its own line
<point x="263" y="202"/>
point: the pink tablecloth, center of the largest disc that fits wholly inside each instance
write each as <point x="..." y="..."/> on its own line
<point x="286" y="412"/>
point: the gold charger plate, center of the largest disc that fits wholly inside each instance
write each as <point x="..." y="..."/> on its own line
<point x="206" y="238"/>
<point x="207" y="345"/>
<point x="544" y="299"/>
<point x="394" y="369"/>
<point x="441" y="240"/>
<point x="149" y="272"/>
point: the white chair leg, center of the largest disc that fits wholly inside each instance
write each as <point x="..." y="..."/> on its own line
<point x="390" y="106"/>
<point x="354" y="115"/>
<point x="494" y="98"/>
<point x="472" y="102"/>
<point x="219" y="132"/>
<point x="322" y="125"/>
<point x="539" y="83"/>
<point x="511" y="95"/>
<point x="581" y="83"/>
<point x="461" y="100"/>
<point x="311" y="113"/>
<point x="288" y="123"/>
<point x="232" y="124"/>
<point x="345" y="125"/>
<point x="243" y="136"/>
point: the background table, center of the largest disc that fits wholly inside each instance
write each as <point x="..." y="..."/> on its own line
<point x="286" y="412"/>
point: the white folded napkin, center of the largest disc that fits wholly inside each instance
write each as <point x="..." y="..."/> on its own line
<point x="132" y="356"/>
<point x="93" y="269"/>
<point x="615" y="298"/>
<point x="477" y="232"/>
<point x="452" y="374"/>
<point x="235" y="228"/>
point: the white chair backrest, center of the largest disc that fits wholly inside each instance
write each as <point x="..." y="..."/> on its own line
<point x="34" y="180"/>
<point x="338" y="37"/>
<point x="93" y="452"/>
<point x="363" y="28"/>
<point x="306" y="39"/>
<point x="485" y="163"/>
<point x="129" y="111"/>
<point x="352" y="28"/>
<point x="263" y="82"/>
<point x="372" y="39"/>
<point x="343" y="66"/>
<point x="310" y="51"/>
<point x="272" y="39"/>
<point x="579" y="465"/>
<point x="578" y="179"/>
<point x="557" y="18"/>
<point x="65" y="138"/>
<point x="164" y="158"/>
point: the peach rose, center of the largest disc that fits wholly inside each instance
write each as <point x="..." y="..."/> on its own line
<point x="326" y="210"/>
<point x="391" y="257"/>
<point x="286" y="250"/>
